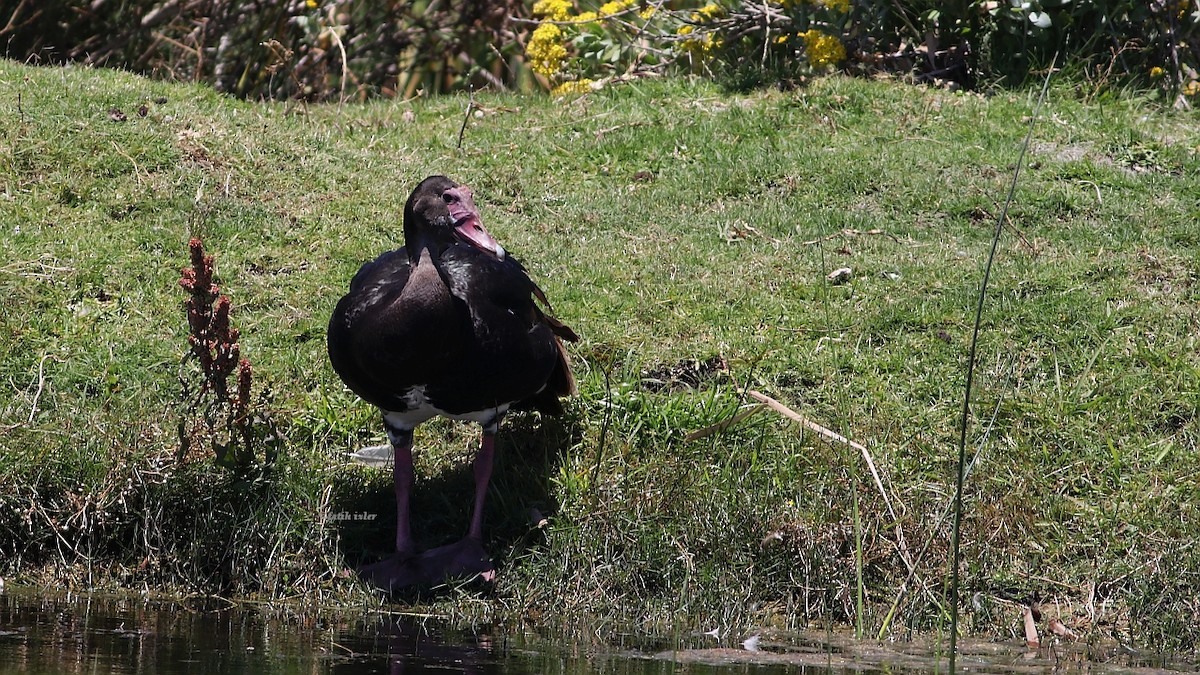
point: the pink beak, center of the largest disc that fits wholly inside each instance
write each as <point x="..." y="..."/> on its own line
<point x="467" y="224"/>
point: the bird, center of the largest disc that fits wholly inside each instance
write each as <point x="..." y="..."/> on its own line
<point x="447" y="325"/>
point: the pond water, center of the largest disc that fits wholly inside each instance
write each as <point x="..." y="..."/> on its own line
<point x="48" y="633"/>
<point x="57" y="633"/>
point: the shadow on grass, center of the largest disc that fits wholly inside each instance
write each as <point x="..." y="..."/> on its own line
<point x="529" y="451"/>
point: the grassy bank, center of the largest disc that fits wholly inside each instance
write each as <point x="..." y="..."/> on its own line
<point x="686" y="235"/>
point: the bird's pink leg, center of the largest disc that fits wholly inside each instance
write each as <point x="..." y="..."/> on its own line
<point x="463" y="559"/>
<point x="402" y="476"/>
<point x="483" y="474"/>
<point x="467" y="557"/>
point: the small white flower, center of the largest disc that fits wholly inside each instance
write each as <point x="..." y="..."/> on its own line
<point x="1041" y="20"/>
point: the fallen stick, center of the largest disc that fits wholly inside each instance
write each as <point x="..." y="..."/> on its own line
<point x="829" y="434"/>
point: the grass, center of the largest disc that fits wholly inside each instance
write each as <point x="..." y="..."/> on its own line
<point x="686" y="234"/>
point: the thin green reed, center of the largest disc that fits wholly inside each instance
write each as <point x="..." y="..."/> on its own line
<point x="966" y="407"/>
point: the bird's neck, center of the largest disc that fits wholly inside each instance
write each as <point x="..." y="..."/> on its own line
<point x="417" y="243"/>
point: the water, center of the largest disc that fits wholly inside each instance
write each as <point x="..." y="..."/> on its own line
<point x="47" y="633"/>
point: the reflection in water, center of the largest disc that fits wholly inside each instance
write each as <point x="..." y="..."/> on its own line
<point x="90" y="634"/>
<point x="42" y="633"/>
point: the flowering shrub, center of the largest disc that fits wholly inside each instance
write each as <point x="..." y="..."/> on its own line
<point x="752" y="43"/>
<point x="316" y="49"/>
<point x="567" y="45"/>
<point x="578" y="51"/>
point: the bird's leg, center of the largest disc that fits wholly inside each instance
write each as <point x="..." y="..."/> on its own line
<point x="404" y="568"/>
<point x="463" y="559"/>
<point x="483" y="474"/>
<point x="402" y="476"/>
<point x="467" y="557"/>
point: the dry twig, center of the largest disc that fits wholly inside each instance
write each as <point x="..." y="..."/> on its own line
<point x="829" y="434"/>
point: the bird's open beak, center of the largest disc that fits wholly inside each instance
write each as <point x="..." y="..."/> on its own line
<point x="468" y="226"/>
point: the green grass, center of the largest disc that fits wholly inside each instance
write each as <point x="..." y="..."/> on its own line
<point x="686" y="235"/>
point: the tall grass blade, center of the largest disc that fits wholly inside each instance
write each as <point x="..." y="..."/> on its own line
<point x="604" y="427"/>
<point x="966" y="407"/>
<point x="858" y="566"/>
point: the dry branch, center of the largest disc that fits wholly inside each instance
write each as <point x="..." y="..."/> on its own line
<point x="830" y="435"/>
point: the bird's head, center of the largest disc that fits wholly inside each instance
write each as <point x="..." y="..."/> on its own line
<point x="440" y="212"/>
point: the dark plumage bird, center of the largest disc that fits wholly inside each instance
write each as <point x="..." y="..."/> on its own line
<point x="446" y="325"/>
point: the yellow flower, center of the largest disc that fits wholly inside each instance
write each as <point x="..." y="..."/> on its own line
<point x="648" y="12"/>
<point x="586" y="17"/>
<point x="709" y="11"/>
<point x="781" y="39"/>
<point x="555" y="10"/>
<point x="1191" y="88"/>
<point x="311" y="4"/>
<point x="822" y="49"/>
<point x="1156" y="72"/>
<point x="842" y="6"/>
<point x="580" y="86"/>
<point x="700" y="47"/>
<point x="545" y="52"/>
<point x="614" y="7"/>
